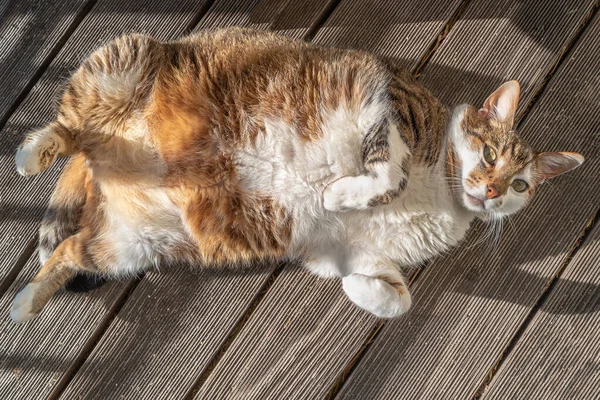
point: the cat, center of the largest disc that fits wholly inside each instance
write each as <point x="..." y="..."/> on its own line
<point x="238" y="146"/>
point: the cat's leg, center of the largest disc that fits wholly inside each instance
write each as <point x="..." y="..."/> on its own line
<point x="383" y="293"/>
<point x="40" y="148"/>
<point x="68" y="259"/>
<point x="386" y="158"/>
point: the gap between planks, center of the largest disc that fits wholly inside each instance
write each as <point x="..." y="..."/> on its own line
<point x="538" y="305"/>
<point x="541" y="87"/>
<point x="46" y="62"/>
<point x="28" y="251"/>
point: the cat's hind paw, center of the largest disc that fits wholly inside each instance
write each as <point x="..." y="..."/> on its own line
<point x="37" y="153"/>
<point x="22" y="306"/>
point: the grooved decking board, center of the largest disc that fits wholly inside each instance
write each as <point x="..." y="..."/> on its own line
<point x="402" y="30"/>
<point x="30" y="32"/>
<point x="469" y="304"/>
<point x="175" y="322"/>
<point x="292" y="18"/>
<point x="557" y="357"/>
<point x="305" y="332"/>
<point x="35" y="355"/>
<point x="23" y="200"/>
<point x="166" y="333"/>
<point x="293" y="345"/>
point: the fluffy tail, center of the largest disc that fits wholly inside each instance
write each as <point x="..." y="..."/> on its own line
<point x="62" y="218"/>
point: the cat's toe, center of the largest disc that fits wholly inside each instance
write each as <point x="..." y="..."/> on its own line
<point x="22" y="306"/>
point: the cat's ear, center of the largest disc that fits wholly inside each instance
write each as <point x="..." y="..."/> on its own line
<point x="550" y="165"/>
<point x="502" y="104"/>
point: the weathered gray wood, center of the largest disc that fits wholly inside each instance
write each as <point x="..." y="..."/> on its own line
<point x="35" y="355"/>
<point x="292" y="18"/>
<point x="42" y="350"/>
<point x="305" y="331"/>
<point x="469" y="304"/>
<point x="557" y="356"/>
<point x="30" y="33"/>
<point x="175" y="322"/>
<point x="170" y="327"/>
<point x="401" y="30"/>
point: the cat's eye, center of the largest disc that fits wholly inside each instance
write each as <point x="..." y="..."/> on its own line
<point x="489" y="155"/>
<point x="520" y="185"/>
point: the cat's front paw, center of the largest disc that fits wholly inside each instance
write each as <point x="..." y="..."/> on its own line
<point x="36" y="153"/>
<point x="22" y="306"/>
<point x="348" y="193"/>
<point x="376" y="296"/>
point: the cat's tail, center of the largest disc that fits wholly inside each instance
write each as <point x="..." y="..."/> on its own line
<point x="62" y="219"/>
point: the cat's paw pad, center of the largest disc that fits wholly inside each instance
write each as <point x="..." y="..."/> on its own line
<point x="22" y="306"/>
<point x="348" y="193"/>
<point x="36" y="154"/>
<point x="376" y="296"/>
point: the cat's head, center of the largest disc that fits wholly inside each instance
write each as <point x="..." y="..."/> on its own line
<point x="495" y="172"/>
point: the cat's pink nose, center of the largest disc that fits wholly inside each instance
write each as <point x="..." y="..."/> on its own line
<point x="492" y="191"/>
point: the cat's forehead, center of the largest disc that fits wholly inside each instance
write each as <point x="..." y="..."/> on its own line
<point x="506" y="142"/>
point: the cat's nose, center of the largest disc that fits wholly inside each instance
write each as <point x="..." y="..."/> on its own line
<point x="492" y="191"/>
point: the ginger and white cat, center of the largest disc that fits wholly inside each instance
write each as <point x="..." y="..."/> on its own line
<point x="235" y="146"/>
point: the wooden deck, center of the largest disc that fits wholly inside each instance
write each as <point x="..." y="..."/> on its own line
<point x="519" y="319"/>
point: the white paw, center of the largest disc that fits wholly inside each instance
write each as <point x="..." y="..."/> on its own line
<point x="22" y="305"/>
<point x="37" y="153"/>
<point x="348" y="193"/>
<point x="376" y="296"/>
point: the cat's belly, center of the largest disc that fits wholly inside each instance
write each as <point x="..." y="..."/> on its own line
<point x="143" y="229"/>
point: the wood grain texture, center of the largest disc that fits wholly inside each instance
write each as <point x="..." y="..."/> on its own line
<point x="400" y="30"/>
<point x="292" y="18"/>
<point x="167" y="332"/>
<point x="175" y="322"/>
<point x="31" y="32"/>
<point x="557" y="356"/>
<point x="468" y="305"/>
<point x="35" y="355"/>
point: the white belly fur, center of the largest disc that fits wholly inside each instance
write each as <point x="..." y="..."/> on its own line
<point x="423" y="222"/>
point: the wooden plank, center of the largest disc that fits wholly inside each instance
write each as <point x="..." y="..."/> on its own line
<point x="290" y="18"/>
<point x="175" y="322"/>
<point x="40" y="353"/>
<point x="468" y="305"/>
<point x="558" y="354"/>
<point x="35" y="356"/>
<point x="305" y="331"/>
<point x="31" y="33"/>
<point x="403" y="31"/>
